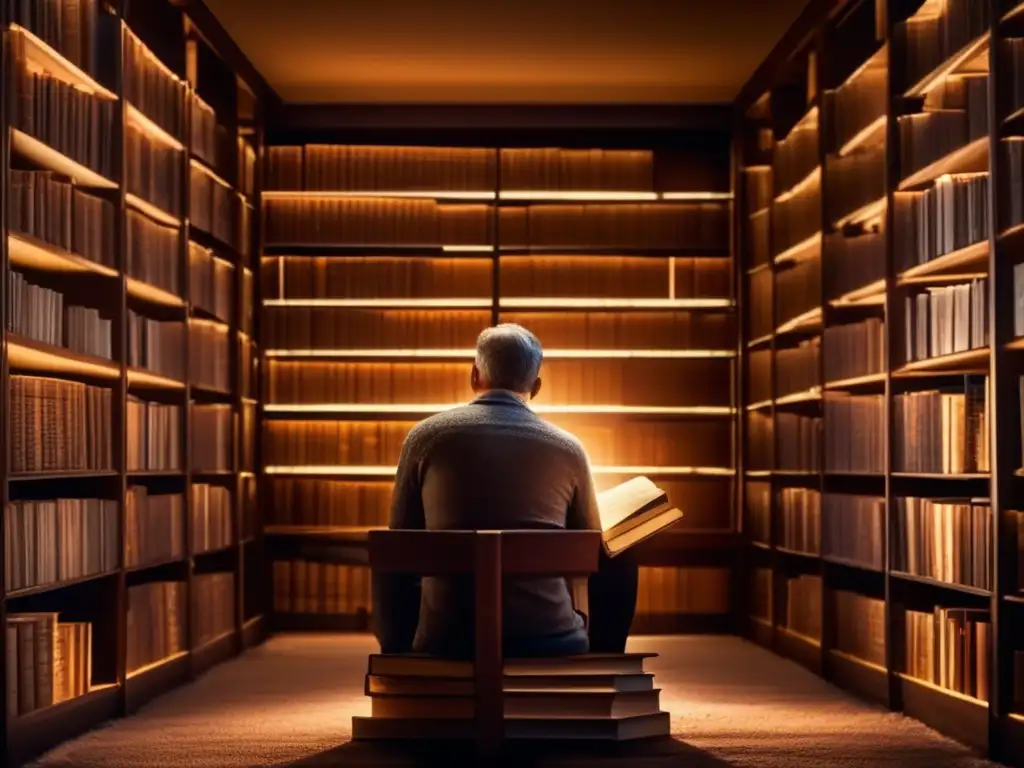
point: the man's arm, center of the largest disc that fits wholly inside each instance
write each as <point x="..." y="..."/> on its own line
<point x="396" y="596"/>
<point x="583" y="512"/>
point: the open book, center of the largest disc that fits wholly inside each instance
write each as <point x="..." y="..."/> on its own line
<point x="633" y="511"/>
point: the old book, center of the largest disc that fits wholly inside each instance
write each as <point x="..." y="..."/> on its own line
<point x="455" y="686"/>
<point x="518" y="704"/>
<point x="587" y="664"/>
<point x="633" y="511"/>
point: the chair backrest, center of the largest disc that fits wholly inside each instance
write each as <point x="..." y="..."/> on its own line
<point x="487" y="556"/>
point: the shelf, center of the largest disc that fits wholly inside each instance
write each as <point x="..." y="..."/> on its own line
<point x="436" y="194"/>
<point x="759" y="545"/>
<point x="809" y="320"/>
<point x="214" y="651"/>
<point x="962" y="160"/>
<point x="856" y="381"/>
<point x="858" y="676"/>
<point x="760" y="341"/>
<point x="760" y="405"/>
<point x="48" y="59"/>
<point x="962" y="717"/>
<point x="957" y="362"/>
<point x="298" y="409"/>
<point x="797" y="553"/>
<point x="338" y="532"/>
<point x="758" y="473"/>
<point x="973" y="258"/>
<point x="875" y="131"/>
<point x="760" y="267"/>
<point x="52" y="160"/>
<point x="200" y="165"/>
<point x="941" y="476"/>
<point x="808" y="181"/>
<point x="30" y="252"/>
<point x="137" y="377"/>
<point x="397" y="303"/>
<point x="31" y="734"/>
<point x="157" y="214"/>
<point x="30" y="355"/>
<point x="620" y="303"/>
<point x="151" y="293"/>
<point x="811" y="395"/>
<point x="470" y="354"/>
<point x="1013" y="13"/>
<point x="802" y="251"/>
<point x="799" y="648"/>
<point x="873" y="210"/>
<point x="583" y="196"/>
<point x="40" y="589"/>
<point x="850" y="563"/>
<point x="167" y="661"/>
<point x="180" y="560"/>
<point x="964" y="57"/>
<point x="871" y="295"/>
<point x="976" y="591"/>
<point x="135" y="117"/>
<point x="276" y="250"/>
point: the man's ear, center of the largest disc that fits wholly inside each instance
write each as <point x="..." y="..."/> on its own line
<point x="535" y="389"/>
<point x="474" y="378"/>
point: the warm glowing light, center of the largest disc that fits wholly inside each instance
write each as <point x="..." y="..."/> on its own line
<point x="972" y="256"/>
<point x="471" y="353"/>
<point x="808" y="319"/>
<point x="967" y="155"/>
<point x="152" y="293"/>
<point x="156" y="664"/>
<point x="866" y="136"/>
<point x="142" y="378"/>
<point x="157" y="214"/>
<point x="371" y="470"/>
<point x="135" y="117"/>
<point x="945" y="362"/>
<point x="802" y="251"/>
<point x="814" y="393"/>
<point x="343" y="408"/>
<point x="26" y="354"/>
<point x="51" y="159"/>
<point x="945" y="691"/>
<point x="870" y="295"/>
<point x="760" y="340"/>
<point x="587" y="303"/>
<point x="805" y="183"/>
<point x="950" y="66"/>
<point x="759" y="405"/>
<point x="863" y="214"/>
<point x="697" y="196"/>
<point x="869" y="378"/>
<point x="467" y="248"/>
<point x="200" y="166"/>
<point x="218" y="325"/>
<point x="436" y="194"/>
<point x="580" y="195"/>
<point x="40" y="54"/>
<point x="30" y="252"/>
<point x="398" y="303"/>
<point x="149" y="53"/>
<point x="354" y="531"/>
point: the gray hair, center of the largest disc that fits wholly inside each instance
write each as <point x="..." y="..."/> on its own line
<point x="508" y="357"/>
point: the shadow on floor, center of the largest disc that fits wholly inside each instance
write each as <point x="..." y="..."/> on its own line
<point x="644" y="753"/>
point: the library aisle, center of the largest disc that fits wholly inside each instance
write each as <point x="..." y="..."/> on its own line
<point x="290" y="702"/>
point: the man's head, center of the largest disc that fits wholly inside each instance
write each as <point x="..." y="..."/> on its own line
<point x="508" y="357"/>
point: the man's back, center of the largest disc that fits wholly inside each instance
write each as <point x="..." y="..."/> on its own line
<point x="492" y="464"/>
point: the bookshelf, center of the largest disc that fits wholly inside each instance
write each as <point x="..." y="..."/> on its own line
<point x="881" y="466"/>
<point x="132" y="560"/>
<point x="381" y="264"/>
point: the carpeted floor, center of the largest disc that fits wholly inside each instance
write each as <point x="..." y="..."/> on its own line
<point x="289" y="703"/>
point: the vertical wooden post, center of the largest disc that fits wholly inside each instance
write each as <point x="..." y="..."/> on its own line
<point x="488" y="668"/>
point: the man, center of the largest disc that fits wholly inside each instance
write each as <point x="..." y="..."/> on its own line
<point x="495" y="465"/>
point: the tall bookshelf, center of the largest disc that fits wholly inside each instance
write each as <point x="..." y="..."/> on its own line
<point x="381" y="264"/>
<point x="885" y="557"/>
<point x="128" y="296"/>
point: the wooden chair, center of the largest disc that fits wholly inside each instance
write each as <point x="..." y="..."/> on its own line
<point x="486" y="556"/>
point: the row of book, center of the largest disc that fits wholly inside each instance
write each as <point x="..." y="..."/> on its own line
<point x="44" y="207"/>
<point x="796" y="368"/>
<point x="383" y="277"/>
<point x="761" y="319"/>
<point x="855" y="181"/>
<point x="211" y="512"/>
<point x="208" y="139"/>
<point x="213" y="606"/>
<point x="247" y="445"/>
<point x="648" y="443"/>
<point x="759" y="376"/>
<point x="853" y="529"/>
<point x="796" y="156"/>
<point x="153" y="255"/>
<point x="72" y="29"/>
<point x="346" y="328"/>
<point x="1011" y="197"/>
<point x="950" y="215"/>
<point x="154" y="529"/>
<point x="1010" y="59"/>
<point x="380" y="221"/>
<point x="759" y="237"/>
<point x="860" y="626"/>
<point x="855" y="258"/>
<point x="800" y="520"/>
<point x="55" y="540"/>
<point x="797" y="290"/>
<point x="928" y="136"/>
<point x="796" y="218"/>
<point x="936" y="33"/>
<point x="798" y="442"/>
<point x="943" y="431"/>
<point x="47" y="661"/>
<point x="670" y="590"/>
<point x="209" y="355"/>
<point x="59" y="426"/>
<point x="212" y="432"/>
<point x="949" y="647"/>
<point x="302" y="586"/>
<point x="152" y="170"/>
<point x="949" y="541"/>
<point x="211" y="282"/>
<point x="156" y="622"/>
<point x="156" y="346"/>
<point x="75" y="123"/>
<point x="248" y="361"/>
<point x="367" y="168"/>
<point x="247" y="310"/>
<point x="153" y="439"/>
<point x="41" y="314"/>
<point x="247" y="167"/>
<point x="215" y="208"/>
<point x="803" y="606"/>
<point x="760" y="441"/>
<point x="758" y="192"/>
<point x="579" y="382"/>
<point x="853" y="350"/>
<point x="857" y="103"/>
<point x="152" y="88"/>
<point x="946" y="319"/>
<point x="758" y="511"/>
<point x="855" y="433"/>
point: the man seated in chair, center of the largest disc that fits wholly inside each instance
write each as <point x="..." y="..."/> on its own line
<point x="495" y="465"/>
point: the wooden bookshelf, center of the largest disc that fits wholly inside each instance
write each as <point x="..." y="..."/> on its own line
<point x="104" y="272"/>
<point x="607" y="304"/>
<point x="854" y="68"/>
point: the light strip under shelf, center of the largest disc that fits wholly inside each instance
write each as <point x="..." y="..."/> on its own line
<point x="152" y="293"/>
<point x="808" y="319"/>
<point x="555" y="354"/>
<point x="210" y="173"/>
<point x="371" y="470"/>
<point x="398" y="303"/>
<point x="321" y="194"/>
<point x="864" y="214"/>
<point x="576" y="195"/>
<point x="802" y="251"/>
<point x="43" y="55"/>
<point x="137" y="118"/>
<point x="814" y="393"/>
<point x="971" y="256"/>
<point x="26" y="354"/>
<point x="954" y="162"/>
<point x="467" y="248"/>
<point x="416" y="408"/>
<point x="52" y="160"/>
<point x="611" y="303"/>
<point x="33" y="253"/>
<point x="865" y="135"/>
<point x="927" y="83"/>
<point x="145" y="207"/>
<point x="869" y="378"/>
<point x="805" y="183"/>
<point x="870" y="295"/>
<point x="697" y="196"/>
